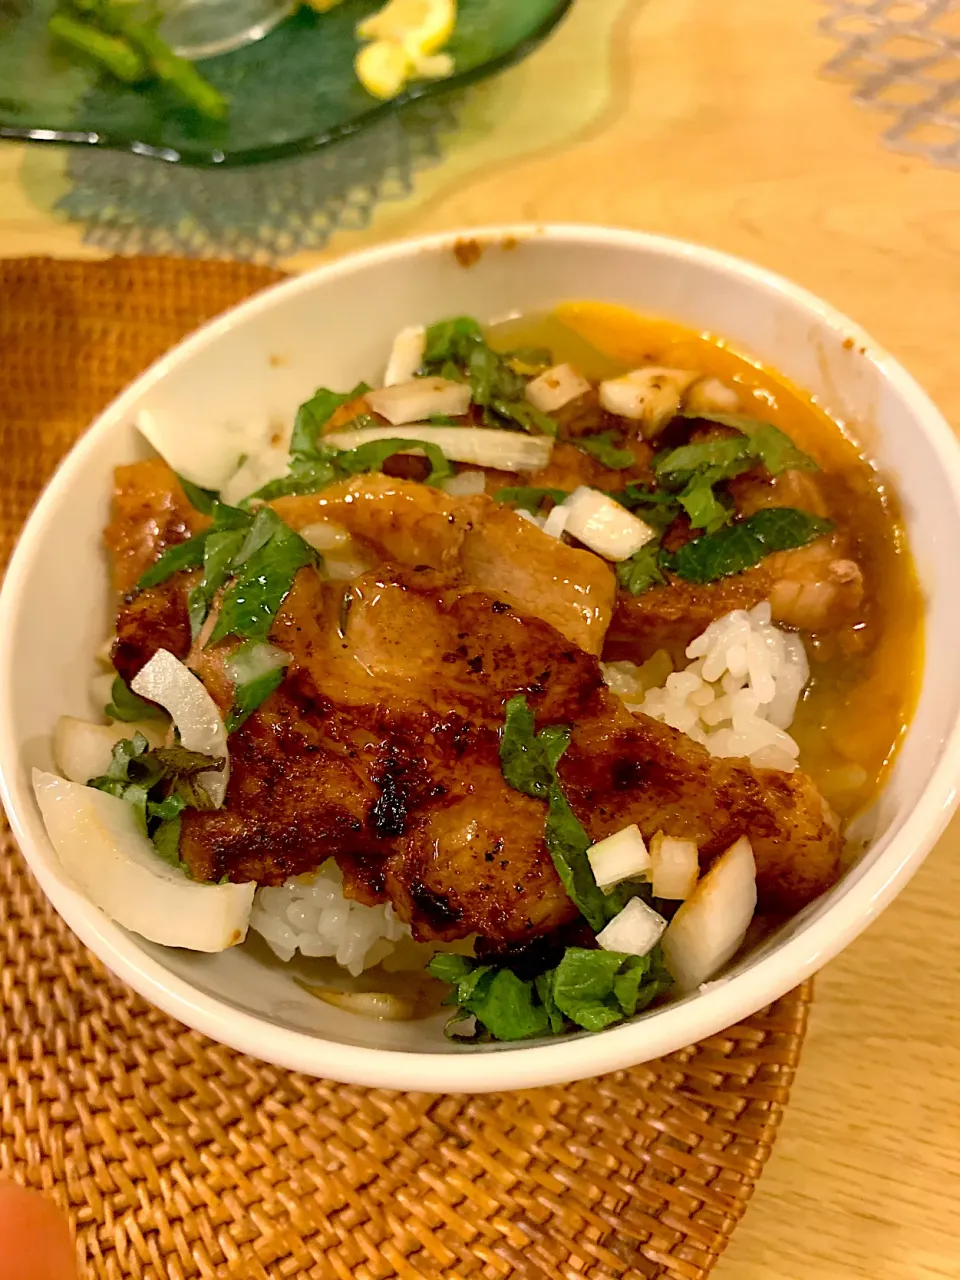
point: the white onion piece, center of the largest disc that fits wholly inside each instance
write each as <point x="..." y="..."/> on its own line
<point x="676" y="867"/>
<point x="83" y="750"/>
<point x="710" y="926"/>
<point x="344" y="568"/>
<point x="530" y="518"/>
<point x="556" y="522"/>
<point x="255" y="659"/>
<point x="604" y="526"/>
<point x="422" y="398"/>
<point x="468" y="484"/>
<point x="258" y="468"/>
<point x="406" y="356"/>
<point x="194" y="712"/>
<point x="635" y="931"/>
<point x="710" y="395"/>
<point x="325" y="536"/>
<point x="368" y="1004"/>
<point x="98" y="842"/>
<point x="622" y="397"/>
<point x="649" y="396"/>
<point x="208" y="454"/>
<point x="622" y="856"/>
<point x="557" y="387"/>
<point x="481" y="446"/>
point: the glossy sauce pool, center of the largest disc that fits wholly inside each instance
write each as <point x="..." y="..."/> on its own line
<point x="865" y="677"/>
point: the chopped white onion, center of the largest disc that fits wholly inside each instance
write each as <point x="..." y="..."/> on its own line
<point x="406" y="356"/>
<point x="344" y="567"/>
<point x="421" y="398"/>
<point x="604" y="526"/>
<point x="481" y="446"/>
<point x="530" y="518"/>
<point x="622" y="856"/>
<point x="255" y="659"/>
<point x="676" y="867"/>
<point x="194" y="712"/>
<point x="556" y="522"/>
<point x="257" y="469"/>
<point x="99" y="843"/>
<point x="465" y="485"/>
<point x="710" y="395"/>
<point x="324" y="536"/>
<point x="557" y="387"/>
<point x="635" y="931"/>
<point x="83" y="750"/>
<point x="207" y="455"/>
<point x="710" y="926"/>
<point x="649" y="396"/>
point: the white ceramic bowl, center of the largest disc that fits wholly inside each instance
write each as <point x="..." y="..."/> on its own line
<point x="333" y="327"/>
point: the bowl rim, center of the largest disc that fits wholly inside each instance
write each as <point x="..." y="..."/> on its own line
<point x="692" y="1019"/>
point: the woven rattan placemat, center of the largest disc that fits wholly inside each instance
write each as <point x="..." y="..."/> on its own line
<point x="178" y="1158"/>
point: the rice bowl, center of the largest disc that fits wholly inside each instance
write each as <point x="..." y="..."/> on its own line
<point x="182" y="987"/>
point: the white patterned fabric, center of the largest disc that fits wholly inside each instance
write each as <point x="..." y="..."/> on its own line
<point x="903" y="57"/>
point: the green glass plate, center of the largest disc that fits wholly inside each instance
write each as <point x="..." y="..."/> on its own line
<point x="291" y="92"/>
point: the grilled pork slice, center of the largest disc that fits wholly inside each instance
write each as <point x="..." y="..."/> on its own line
<point x="490" y="545"/>
<point x="381" y="748"/>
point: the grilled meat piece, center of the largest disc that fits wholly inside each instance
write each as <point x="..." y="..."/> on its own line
<point x="490" y="545"/>
<point x="381" y="748"/>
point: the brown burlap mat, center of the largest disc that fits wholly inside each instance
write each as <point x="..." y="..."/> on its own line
<point x="177" y="1158"/>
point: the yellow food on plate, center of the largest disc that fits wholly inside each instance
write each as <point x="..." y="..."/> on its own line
<point x="421" y="27"/>
<point x="383" y="68"/>
<point x="406" y="37"/>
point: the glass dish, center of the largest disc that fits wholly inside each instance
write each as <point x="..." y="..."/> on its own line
<point x="291" y="92"/>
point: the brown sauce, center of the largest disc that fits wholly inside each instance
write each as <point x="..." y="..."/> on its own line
<point x="864" y="678"/>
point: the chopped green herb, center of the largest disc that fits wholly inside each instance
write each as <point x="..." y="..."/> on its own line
<point x="451" y="340"/>
<point x="744" y="544"/>
<point x="529" y="499"/>
<point x="642" y="571"/>
<point x="263" y="575"/>
<point x="159" y="784"/>
<point x="583" y="990"/>
<point x="166" y="841"/>
<point x="203" y="500"/>
<point x="457" y="350"/>
<point x="314" y="414"/>
<point x="529" y="762"/>
<point x="768" y="443"/>
<point x="606" y="450"/>
<point x="306" y="475"/>
<point x="729" y="456"/>
<point x="706" y="509"/>
<point x="372" y="456"/>
<point x="125" y="705"/>
<point x="184" y="555"/>
<point x="590" y="989"/>
<point x="655" y="507"/>
<point x="257" y="670"/>
<point x="504" y="1004"/>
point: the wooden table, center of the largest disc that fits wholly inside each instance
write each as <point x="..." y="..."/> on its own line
<point x="711" y="121"/>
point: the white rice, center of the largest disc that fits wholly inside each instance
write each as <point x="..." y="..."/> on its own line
<point x="309" y="914"/>
<point x="739" y="694"/>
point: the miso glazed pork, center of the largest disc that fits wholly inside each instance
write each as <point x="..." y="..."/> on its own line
<point x="548" y="663"/>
